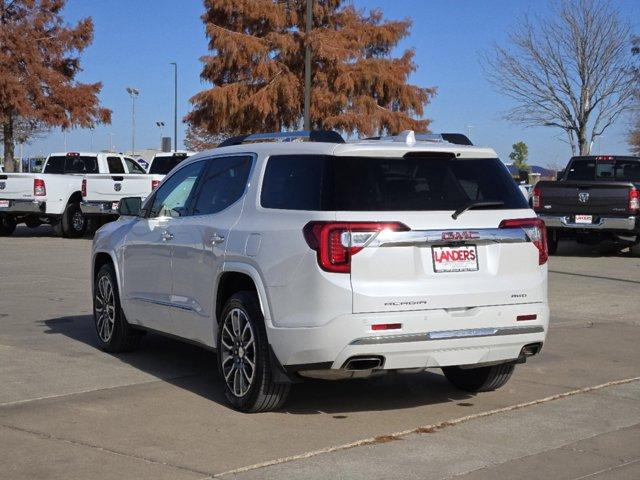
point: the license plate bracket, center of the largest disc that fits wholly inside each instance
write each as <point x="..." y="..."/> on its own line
<point x="583" y="219"/>
<point x="454" y="258"/>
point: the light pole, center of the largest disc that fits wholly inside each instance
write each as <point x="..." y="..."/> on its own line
<point x="469" y="127"/>
<point x="111" y="142"/>
<point x="175" y="106"/>
<point x="160" y="125"/>
<point x="133" y="93"/>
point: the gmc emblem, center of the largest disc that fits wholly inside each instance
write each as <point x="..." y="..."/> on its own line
<point x="464" y="235"/>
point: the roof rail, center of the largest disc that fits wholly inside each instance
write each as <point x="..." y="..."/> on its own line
<point x="322" y="136"/>
<point x="410" y="137"/>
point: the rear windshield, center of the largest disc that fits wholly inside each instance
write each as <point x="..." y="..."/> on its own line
<point x="71" y="164"/>
<point x="620" y="170"/>
<point x="163" y="165"/>
<point x="417" y="183"/>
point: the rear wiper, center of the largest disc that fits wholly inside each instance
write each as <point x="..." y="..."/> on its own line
<point x="471" y="205"/>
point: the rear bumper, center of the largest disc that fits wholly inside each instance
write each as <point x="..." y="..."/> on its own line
<point x="432" y="338"/>
<point x="98" y="208"/>
<point x="24" y="207"/>
<point x="628" y="224"/>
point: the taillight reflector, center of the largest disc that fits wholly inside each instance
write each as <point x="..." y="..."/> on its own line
<point x="526" y="317"/>
<point x="154" y="184"/>
<point x="386" y="326"/>
<point x="336" y="242"/>
<point x="634" y="200"/>
<point x="536" y="231"/>
<point x="39" y="188"/>
<point x="84" y="187"/>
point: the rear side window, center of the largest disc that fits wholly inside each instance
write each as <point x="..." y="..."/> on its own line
<point x="223" y="184"/>
<point x="133" y="166"/>
<point x="415" y="183"/>
<point x="115" y="165"/>
<point x="163" y="165"/>
<point x="71" y="164"/>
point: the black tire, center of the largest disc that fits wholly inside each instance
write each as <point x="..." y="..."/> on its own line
<point x="552" y="242"/>
<point x="480" y="379"/>
<point x="7" y="225"/>
<point x="73" y="223"/>
<point x="122" y="338"/>
<point x="261" y="392"/>
<point x="634" y="250"/>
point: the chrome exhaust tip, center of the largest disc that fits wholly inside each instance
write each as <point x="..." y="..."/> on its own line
<point x="363" y="362"/>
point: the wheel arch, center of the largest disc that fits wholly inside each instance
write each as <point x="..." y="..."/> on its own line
<point x="237" y="276"/>
<point x="75" y="197"/>
<point x="101" y="258"/>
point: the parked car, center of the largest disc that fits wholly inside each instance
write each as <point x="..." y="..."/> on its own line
<point x="53" y="196"/>
<point x="597" y="198"/>
<point x="332" y="260"/>
<point x="163" y="163"/>
<point x="101" y="193"/>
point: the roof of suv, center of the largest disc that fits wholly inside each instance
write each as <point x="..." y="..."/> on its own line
<point x="385" y="147"/>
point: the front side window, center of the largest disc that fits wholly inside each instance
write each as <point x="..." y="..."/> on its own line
<point x="115" y="165"/>
<point x="224" y="184"/>
<point x="173" y="196"/>
<point x="133" y="166"/>
<point x="416" y="182"/>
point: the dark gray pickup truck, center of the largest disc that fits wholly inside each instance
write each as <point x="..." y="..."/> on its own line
<point x="597" y="198"/>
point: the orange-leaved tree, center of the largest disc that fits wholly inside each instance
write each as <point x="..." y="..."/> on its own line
<point x="39" y="60"/>
<point x="256" y="66"/>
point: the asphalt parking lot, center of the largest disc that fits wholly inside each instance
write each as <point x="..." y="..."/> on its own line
<point x="70" y="411"/>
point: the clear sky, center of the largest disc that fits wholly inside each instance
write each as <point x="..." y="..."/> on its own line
<point x="135" y="41"/>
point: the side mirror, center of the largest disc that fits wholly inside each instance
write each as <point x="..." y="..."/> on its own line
<point x="130" y="206"/>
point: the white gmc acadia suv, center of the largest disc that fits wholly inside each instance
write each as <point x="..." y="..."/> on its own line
<point x="328" y="259"/>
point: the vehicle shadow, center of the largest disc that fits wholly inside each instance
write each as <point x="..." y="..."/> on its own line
<point x="570" y="248"/>
<point x="43" y="231"/>
<point x="194" y="369"/>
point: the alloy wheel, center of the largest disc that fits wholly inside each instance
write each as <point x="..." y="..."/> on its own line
<point x="238" y="352"/>
<point x="105" y="306"/>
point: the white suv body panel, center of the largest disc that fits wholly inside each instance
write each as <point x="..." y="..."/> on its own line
<point x="314" y="317"/>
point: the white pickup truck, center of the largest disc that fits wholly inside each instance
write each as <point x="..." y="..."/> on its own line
<point x="102" y="193"/>
<point x="53" y="196"/>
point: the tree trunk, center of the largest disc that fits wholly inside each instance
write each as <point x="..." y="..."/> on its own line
<point x="7" y="132"/>
<point x="583" y="143"/>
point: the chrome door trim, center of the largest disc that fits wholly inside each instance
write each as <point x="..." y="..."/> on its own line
<point x="165" y="304"/>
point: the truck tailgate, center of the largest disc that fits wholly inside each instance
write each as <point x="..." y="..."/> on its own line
<point x="111" y="188"/>
<point x="16" y="186"/>
<point x="581" y="197"/>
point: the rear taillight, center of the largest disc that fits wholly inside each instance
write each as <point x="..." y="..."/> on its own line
<point x="535" y="230"/>
<point x="536" y="198"/>
<point x="39" y="190"/>
<point x="154" y="184"/>
<point x="84" y="187"/>
<point x="337" y="242"/>
<point x="634" y="200"/>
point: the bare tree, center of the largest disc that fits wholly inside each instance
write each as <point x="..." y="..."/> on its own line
<point x="570" y="71"/>
<point x="634" y="132"/>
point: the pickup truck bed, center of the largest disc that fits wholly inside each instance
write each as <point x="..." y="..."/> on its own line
<point x="102" y="193"/>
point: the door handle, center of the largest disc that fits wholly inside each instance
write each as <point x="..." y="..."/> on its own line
<point x="166" y="236"/>
<point x="216" y="238"/>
